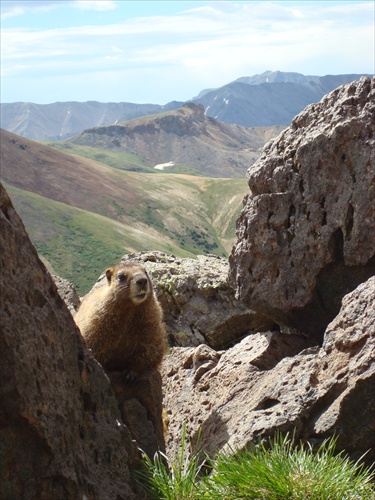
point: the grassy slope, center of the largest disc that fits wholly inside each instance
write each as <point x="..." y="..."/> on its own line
<point x="83" y="215"/>
<point x="117" y="159"/>
<point x="79" y="244"/>
<point x="183" y="215"/>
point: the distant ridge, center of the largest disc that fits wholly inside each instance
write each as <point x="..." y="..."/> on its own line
<point x="60" y="120"/>
<point x="183" y="137"/>
<point x="267" y="77"/>
<point x="271" y="98"/>
<point x="277" y="77"/>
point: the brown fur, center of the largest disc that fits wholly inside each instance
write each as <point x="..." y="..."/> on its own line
<point x="122" y="321"/>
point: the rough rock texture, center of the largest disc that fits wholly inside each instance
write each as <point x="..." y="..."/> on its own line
<point x="198" y="304"/>
<point x="61" y="430"/>
<point x="306" y="234"/>
<point x="68" y="293"/>
<point x="273" y="381"/>
<point x="141" y="406"/>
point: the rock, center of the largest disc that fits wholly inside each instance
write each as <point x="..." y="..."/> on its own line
<point x="272" y="381"/>
<point x="61" y="430"/>
<point x="222" y="393"/>
<point x="68" y="293"/>
<point x="306" y="233"/>
<point x="141" y="405"/>
<point x="349" y="348"/>
<point x="198" y="304"/>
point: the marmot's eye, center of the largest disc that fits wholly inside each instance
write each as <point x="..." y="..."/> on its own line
<point x="121" y="277"/>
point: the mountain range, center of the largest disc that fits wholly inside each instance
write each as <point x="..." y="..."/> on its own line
<point x="60" y="120"/>
<point x="272" y="98"/>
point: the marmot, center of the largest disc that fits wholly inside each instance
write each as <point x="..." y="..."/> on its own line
<point x="122" y="322"/>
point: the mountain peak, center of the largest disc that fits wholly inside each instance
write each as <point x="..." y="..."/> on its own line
<point x="185" y="136"/>
<point x="276" y="77"/>
<point x="274" y="97"/>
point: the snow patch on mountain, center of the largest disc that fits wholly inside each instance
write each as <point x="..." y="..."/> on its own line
<point x="163" y="166"/>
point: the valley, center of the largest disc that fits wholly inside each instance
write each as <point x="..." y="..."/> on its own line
<point x="83" y="215"/>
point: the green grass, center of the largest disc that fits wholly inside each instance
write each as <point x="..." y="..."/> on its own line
<point x="183" y="168"/>
<point x="78" y="244"/>
<point x="116" y="159"/>
<point x="176" y="479"/>
<point x="279" y="471"/>
<point x="216" y="192"/>
<point x="285" y="471"/>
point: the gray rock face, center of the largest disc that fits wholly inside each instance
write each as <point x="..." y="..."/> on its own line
<point x="61" y="430"/>
<point x="198" y="304"/>
<point x="68" y="293"/>
<point x="272" y="381"/>
<point x="306" y="234"/>
<point x="141" y="406"/>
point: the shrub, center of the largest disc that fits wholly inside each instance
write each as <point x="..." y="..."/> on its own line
<point x="284" y="471"/>
<point x="278" y="471"/>
<point x="175" y="479"/>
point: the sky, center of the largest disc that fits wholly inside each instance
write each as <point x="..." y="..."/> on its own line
<point x="160" y="51"/>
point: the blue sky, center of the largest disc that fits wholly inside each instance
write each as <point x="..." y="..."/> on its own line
<point x="159" y="51"/>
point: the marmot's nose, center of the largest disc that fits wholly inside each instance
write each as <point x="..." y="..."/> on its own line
<point x="142" y="282"/>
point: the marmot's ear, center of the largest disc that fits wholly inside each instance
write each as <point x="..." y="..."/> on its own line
<point x="109" y="273"/>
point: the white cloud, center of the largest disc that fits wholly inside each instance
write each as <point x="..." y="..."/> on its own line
<point x="11" y="12"/>
<point x="12" y="8"/>
<point x="116" y="50"/>
<point x="201" y="47"/>
<point x="95" y="4"/>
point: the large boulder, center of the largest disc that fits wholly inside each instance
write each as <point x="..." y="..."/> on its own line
<point x="198" y="304"/>
<point x="278" y="382"/>
<point x="306" y="233"/>
<point x="61" y="430"/>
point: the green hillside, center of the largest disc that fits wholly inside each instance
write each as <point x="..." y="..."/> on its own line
<point x="190" y="220"/>
<point x="79" y="244"/>
<point x="83" y="215"/>
<point x="117" y="159"/>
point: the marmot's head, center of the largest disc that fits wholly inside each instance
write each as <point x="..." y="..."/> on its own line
<point x="129" y="281"/>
